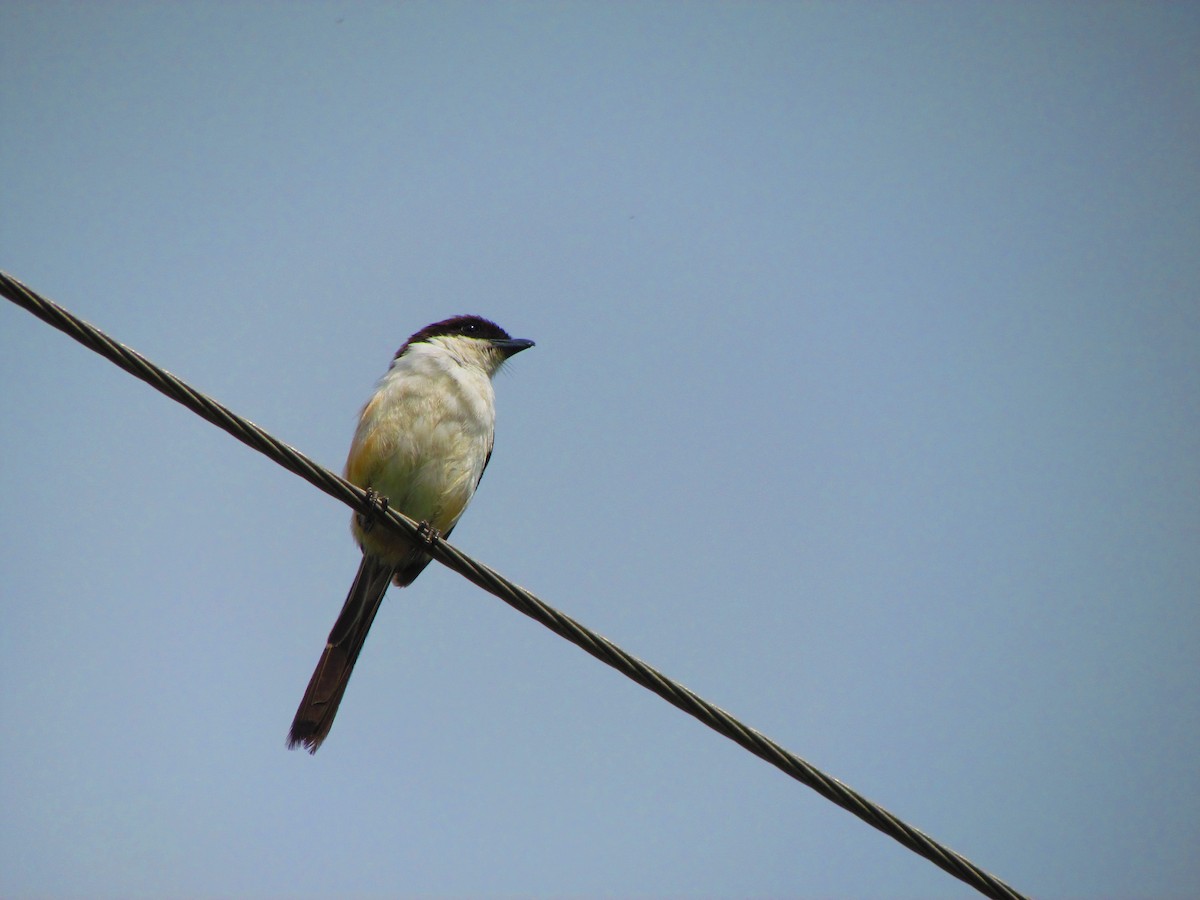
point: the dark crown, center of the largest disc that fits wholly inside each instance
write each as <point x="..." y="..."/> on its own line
<point x="458" y="326"/>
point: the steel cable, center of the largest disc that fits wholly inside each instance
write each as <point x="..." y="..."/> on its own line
<point x="515" y="596"/>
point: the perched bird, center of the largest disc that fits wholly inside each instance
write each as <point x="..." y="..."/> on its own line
<point x="422" y="443"/>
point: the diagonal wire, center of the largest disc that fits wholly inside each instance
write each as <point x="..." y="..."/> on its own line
<point x="517" y="597"/>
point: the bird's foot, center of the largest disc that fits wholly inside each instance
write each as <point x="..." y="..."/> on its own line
<point x="428" y="534"/>
<point x="376" y="505"/>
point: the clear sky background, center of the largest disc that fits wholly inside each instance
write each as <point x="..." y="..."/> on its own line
<point x="865" y="402"/>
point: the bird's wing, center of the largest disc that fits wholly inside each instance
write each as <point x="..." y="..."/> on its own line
<point x="486" y="459"/>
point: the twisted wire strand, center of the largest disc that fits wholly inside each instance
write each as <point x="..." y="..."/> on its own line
<point x="515" y="596"/>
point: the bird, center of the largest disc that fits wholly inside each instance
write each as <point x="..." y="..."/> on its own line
<point x="422" y="443"/>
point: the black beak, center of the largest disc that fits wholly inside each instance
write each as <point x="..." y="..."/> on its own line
<point x="512" y="346"/>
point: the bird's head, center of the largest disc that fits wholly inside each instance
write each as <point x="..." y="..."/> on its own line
<point x="473" y="340"/>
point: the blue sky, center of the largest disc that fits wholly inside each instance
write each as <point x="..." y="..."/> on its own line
<point x="865" y="402"/>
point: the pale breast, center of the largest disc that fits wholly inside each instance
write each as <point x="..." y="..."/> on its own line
<point x="422" y="441"/>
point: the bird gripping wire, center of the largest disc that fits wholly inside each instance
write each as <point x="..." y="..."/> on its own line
<point x="517" y="597"/>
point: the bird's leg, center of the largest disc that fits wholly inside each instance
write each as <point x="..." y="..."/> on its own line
<point x="376" y="505"/>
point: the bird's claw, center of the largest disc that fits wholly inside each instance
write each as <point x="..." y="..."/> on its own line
<point x="428" y="534"/>
<point x="376" y="505"/>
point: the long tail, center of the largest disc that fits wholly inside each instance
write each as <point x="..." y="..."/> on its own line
<point x="314" y="718"/>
